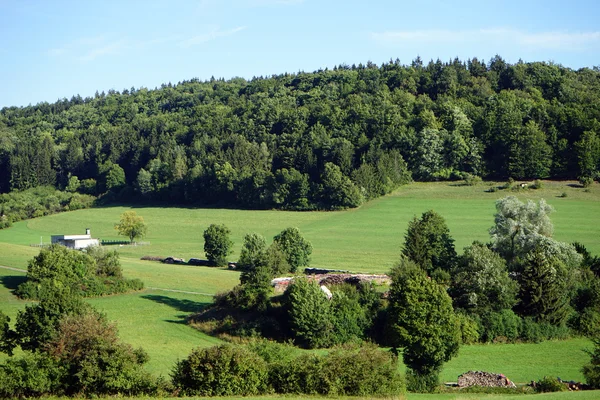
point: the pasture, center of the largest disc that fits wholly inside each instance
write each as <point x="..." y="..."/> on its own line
<point x="367" y="239"/>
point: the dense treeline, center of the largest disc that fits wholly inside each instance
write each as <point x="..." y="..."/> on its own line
<point x="327" y="139"/>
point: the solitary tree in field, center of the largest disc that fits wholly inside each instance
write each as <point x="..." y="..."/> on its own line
<point x="131" y="225"/>
<point x="217" y="244"/>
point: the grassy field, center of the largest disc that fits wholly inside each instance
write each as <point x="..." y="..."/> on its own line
<point x="366" y="239"/>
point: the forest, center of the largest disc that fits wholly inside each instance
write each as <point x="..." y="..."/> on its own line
<point x="330" y="139"/>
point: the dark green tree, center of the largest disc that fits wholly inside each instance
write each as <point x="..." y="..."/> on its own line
<point x="428" y="243"/>
<point x="591" y="370"/>
<point x="309" y="314"/>
<point x="297" y="250"/>
<point x="7" y="336"/>
<point x="421" y="322"/>
<point x="217" y="244"/>
<point x="544" y="292"/>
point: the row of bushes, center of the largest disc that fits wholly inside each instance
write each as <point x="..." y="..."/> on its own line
<point x="37" y="202"/>
<point x="506" y="326"/>
<point x="266" y="367"/>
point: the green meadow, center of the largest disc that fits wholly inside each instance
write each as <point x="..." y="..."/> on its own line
<point x="367" y="239"/>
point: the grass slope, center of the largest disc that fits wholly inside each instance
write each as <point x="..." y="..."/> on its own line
<point x="365" y="239"/>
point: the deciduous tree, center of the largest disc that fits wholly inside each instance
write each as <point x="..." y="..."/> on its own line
<point x="217" y="244"/>
<point x="131" y="226"/>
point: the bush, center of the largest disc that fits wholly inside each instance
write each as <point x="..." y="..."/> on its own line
<point x="500" y="326"/>
<point x="221" y="371"/>
<point x="550" y="384"/>
<point x="591" y="370"/>
<point x="586" y="181"/>
<point x="422" y="383"/>
<point x="471" y="180"/>
<point x="537" y="184"/>
<point x="469" y="329"/>
<point x="32" y="375"/>
<point x="96" y="361"/>
<point x="298" y="376"/>
<point x="367" y="371"/>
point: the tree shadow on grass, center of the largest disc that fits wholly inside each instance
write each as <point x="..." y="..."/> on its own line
<point x="183" y="305"/>
<point x="11" y="282"/>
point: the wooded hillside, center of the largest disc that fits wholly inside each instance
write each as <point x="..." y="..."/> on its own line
<point x="323" y="140"/>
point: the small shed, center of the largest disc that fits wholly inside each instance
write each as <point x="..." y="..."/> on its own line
<point x="76" y="242"/>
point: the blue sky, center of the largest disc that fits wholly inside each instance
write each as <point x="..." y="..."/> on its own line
<point x="55" y="49"/>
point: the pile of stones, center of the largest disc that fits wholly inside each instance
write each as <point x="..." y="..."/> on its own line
<point x="484" y="379"/>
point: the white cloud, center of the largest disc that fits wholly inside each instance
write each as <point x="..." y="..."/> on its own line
<point x="213" y="34"/>
<point x="555" y="40"/>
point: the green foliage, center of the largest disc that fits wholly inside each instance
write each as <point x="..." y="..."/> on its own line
<point x="367" y="371"/>
<point x="131" y="226"/>
<point x="252" y="253"/>
<point x="309" y="313"/>
<point x="37" y="324"/>
<point x="95" y="272"/>
<point x="297" y="250"/>
<point x="591" y="370"/>
<point x="96" y="362"/>
<point x="31" y="375"/>
<point x="428" y="243"/>
<point x="426" y="382"/>
<point x="544" y="288"/>
<point x="337" y="190"/>
<point x="586" y="181"/>
<point x="469" y="329"/>
<point x="7" y="339"/>
<point x="518" y="226"/>
<point x="480" y="281"/>
<point x="217" y="244"/>
<point x="550" y="384"/>
<point x="422" y="321"/>
<point x="501" y="326"/>
<point x="37" y="202"/>
<point x="224" y="370"/>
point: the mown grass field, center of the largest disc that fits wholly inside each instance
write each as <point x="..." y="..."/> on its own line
<point x="366" y="239"/>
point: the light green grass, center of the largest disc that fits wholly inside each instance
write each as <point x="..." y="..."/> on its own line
<point x="366" y="239"/>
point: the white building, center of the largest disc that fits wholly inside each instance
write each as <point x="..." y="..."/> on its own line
<point x="76" y="242"/>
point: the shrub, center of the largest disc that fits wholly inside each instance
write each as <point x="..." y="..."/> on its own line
<point x="96" y="361"/>
<point x="298" y="376"/>
<point x="591" y="370"/>
<point x="586" y="181"/>
<point x="471" y="180"/>
<point x="367" y="371"/>
<point x="550" y="384"/>
<point x="563" y="194"/>
<point x="500" y="326"/>
<point x="537" y="184"/>
<point x="469" y="329"/>
<point x="422" y="382"/>
<point x="32" y="375"/>
<point x="221" y="371"/>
